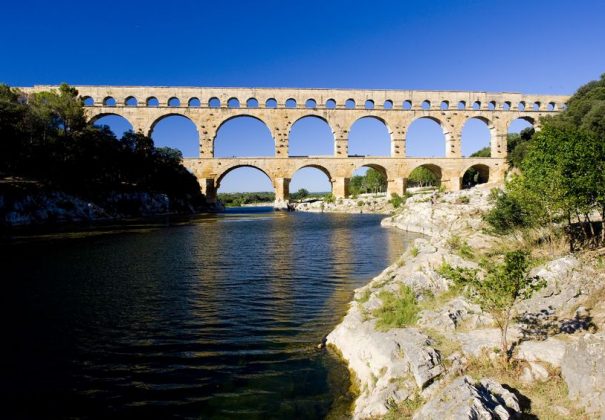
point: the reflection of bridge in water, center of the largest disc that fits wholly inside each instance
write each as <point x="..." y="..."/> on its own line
<point x="279" y="109"/>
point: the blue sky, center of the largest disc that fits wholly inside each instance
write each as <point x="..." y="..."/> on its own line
<point x="520" y="46"/>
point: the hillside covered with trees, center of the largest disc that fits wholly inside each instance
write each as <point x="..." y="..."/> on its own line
<point x="48" y="147"/>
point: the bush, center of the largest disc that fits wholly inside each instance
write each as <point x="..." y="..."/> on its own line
<point x="360" y="203"/>
<point x="329" y="198"/>
<point x="396" y="200"/>
<point x="398" y="309"/>
<point x="506" y="214"/>
<point x="464" y="199"/>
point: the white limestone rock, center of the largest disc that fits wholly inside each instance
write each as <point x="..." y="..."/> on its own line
<point x="466" y="399"/>
<point x="549" y="351"/>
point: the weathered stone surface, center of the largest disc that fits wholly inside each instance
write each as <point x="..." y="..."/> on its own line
<point x="380" y="358"/>
<point x="475" y="342"/>
<point x="550" y="351"/>
<point x="453" y="314"/>
<point x="583" y="369"/>
<point x="534" y="372"/>
<point x="465" y="399"/>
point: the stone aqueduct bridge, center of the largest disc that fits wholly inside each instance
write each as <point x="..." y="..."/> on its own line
<point x="279" y="109"/>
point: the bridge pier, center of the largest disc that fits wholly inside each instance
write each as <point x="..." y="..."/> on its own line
<point x="396" y="186"/>
<point x="209" y="189"/>
<point x="340" y="187"/>
<point x="282" y="192"/>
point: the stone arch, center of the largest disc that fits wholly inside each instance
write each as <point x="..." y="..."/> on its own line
<point x="261" y="130"/>
<point x="174" y="102"/>
<point x="419" y="128"/>
<point x="187" y="140"/>
<point x="220" y="176"/>
<point x="131" y="101"/>
<point x="435" y="170"/>
<point x="294" y="183"/>
<point x="152" y="101"/>
<point x="358" y="171"/>
<point x="194" y="102"/>
<point x="474" y="175"/>
<point x="116" y="122"/>
<point x="366" y="123"/>
<point x="489" y="134"/>
<point x="109" y="101"/>
<point x="293" y="136"/>
<point x="88" y="101"/>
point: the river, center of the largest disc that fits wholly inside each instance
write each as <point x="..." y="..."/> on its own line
<point x="216" y="317"/>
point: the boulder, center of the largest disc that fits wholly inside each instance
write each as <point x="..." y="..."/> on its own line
<point x="466" y="399"/>
<point x="549" y="351"/>
<point x="583" y="369"/>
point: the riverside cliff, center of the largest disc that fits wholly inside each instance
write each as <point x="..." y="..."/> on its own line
<point x="445" y="364"/>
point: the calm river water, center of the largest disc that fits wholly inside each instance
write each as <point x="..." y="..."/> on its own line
<point x="218" y="317"/>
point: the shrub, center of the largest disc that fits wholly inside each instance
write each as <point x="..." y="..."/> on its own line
<point x="360" y="203"/>
<point x="506" y="214"/>
<point x="464" y="199"/>
<point x="460" y="246"/>
<point x="396" y="200"/>
<point x="329" y="198"/>
<point x="398" y="309"/>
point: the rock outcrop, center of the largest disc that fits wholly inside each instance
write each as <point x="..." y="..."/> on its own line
<point x="465" y="398"/>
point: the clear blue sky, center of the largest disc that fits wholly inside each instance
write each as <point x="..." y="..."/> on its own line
<point x="526" y="46"/>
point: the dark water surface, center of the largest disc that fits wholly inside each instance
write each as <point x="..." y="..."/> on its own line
<point x="216" y="318"/>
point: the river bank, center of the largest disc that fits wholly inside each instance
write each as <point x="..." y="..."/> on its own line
<point x="29" y="203"/>
<point x="443" y="365"/>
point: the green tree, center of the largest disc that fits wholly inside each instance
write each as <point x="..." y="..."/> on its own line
<point x="422" y="177"/>
<point x="504" y="284"/>
<point x="375" y="181"/>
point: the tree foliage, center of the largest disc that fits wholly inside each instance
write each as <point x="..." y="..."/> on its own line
<point x="423" y="177"/>
<point x="372" y="182"/>
<point x="503" y="284"/>
<point x="562" y="172"/>
<point x="45" y="136"/>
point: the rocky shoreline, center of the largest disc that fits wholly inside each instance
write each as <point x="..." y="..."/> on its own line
<point x="444" y="365"/>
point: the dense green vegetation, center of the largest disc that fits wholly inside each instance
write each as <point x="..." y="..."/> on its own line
<point x="239" y="199"/>
<point x="423" y="177"/>
<point x="372" y="182"/>
<point x="45" y="137"/>
<point x="562" y="180"/>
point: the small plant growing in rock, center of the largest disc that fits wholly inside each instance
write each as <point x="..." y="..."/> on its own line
<point x="397" y="200"/>
<point x="414" y="251"/>
<point x="504" y="284"/>
<point x="360" y="203"/>
<point x="460" y="246"/>
<point x="398" y="309"/>
<point x="329" y="198"/>
<point x="463" y="199"/>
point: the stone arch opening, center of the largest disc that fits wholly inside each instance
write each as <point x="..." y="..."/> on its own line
<point x="350" y="103"/>
<point x="476" y="174"/>
<point x="369" y="104"/>
<point x="445" y="105"/>
<point x="312" y="178"/>
<point x="425" y="176"/>
<point x="425" y="137"/>
<point x="214" y="102"/>
<point x="311" y="136"/>
<point x="476" y="105"/>
<point x="252" y="103"/>
<point x="491" y="105"/>
<point x="476" y="138"/>
<point x="174" y="102"/>
<point x="461" y="105"/>
<point x="233" y="103"/>
<point x="271" y="103"/>
<point x="311" y="104"/>
<point x="243" y="136"/>
<point x="330" y="104"/>
<point x="178" y="132"/>
<point x="426" y="105"/>
<point x="369" y="178"/>
<point x="506" y="106"/>
<point x="109" y="101"/>
<point x="115" y="122"/>
<point x="131" y="101"/>
<point x="194" y="103"/>
<point x="388" y="104"/>
<point x="88" y="101"/>
<point x="244" y="178"/>
<point x="291" y="103"/>
<point x="369" y="136"/>
<point x="152" y="101"/>
<point x="407" y="105"/>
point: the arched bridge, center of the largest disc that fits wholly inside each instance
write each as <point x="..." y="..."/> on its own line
<point x="279" y="109"/>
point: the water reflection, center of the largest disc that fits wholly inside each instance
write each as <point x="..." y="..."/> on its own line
<point x="216" y="318"/>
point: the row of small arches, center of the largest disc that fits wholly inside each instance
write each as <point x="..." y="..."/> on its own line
<point x="272" y="103"/>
